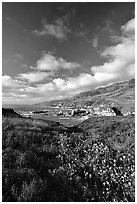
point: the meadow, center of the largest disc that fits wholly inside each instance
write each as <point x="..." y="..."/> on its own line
<point x="47" y="162"/>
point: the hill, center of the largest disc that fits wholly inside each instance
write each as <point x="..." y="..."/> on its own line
<point x="121" y="95"/>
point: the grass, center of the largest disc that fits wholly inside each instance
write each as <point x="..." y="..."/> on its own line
<point x="47" y="162"/>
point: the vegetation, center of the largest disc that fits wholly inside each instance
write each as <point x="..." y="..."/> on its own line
<point x="45" y="161"/>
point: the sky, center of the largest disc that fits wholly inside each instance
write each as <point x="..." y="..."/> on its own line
<point x="56" y="50"/>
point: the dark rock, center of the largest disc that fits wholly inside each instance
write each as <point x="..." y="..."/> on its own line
<point x="116" y="111"/>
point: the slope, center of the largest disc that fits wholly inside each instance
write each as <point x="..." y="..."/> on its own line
<point x="120" y="94"/>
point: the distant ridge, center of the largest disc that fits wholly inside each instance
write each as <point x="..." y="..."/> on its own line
<point x="121" y="94"/>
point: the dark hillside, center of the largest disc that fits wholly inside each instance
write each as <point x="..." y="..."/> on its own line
<point x="112" y="130"/>
<point x="8" y="112"/>
<point x="46" y="162"/>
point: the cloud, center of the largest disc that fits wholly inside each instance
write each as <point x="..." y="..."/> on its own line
<point x="32" y="77"/>
<point x="95" y="42"/>
<point x="8" y="81"/>
<point x="49" y="62"/>
<point x="20" y="86"/>
<point x="119" y="66"/>
<point x="11" y="87"/>
<point x="129" y="27"/>
<point x="59" y="29"/>
<point x="121" y="57"/>
<point x="80" y="82"/>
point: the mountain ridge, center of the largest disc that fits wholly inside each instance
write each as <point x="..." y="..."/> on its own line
<point x="121" y="94"/>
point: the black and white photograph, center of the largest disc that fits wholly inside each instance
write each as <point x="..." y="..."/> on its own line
<point x="68" y="101"/>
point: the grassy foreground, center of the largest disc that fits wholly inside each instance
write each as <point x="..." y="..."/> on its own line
<point x="44" y="161"/>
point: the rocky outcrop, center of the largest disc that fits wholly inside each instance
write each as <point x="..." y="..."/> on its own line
<point x="116" y="111"/>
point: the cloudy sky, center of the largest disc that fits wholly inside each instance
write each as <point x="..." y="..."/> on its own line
<point x="57" y="50"/>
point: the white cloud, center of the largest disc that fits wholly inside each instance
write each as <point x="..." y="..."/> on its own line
<point x="119" y="66"/>
<point x="34" y="76"/>
<point x="58" y="30"/>
<point x="10" y="88"/>
<point x="129" y="27"/>
<point x="9" y="82"/>
<point x="95" y="42"/>
<point x="50" y="63"/>
<point x="82" y="81"/>
<point x="20" y="86"/>
<point x="121" y="58"/>
<point x="59" y="83"/>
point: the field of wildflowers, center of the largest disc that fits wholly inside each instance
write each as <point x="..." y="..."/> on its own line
<point x="45" y="161"/>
